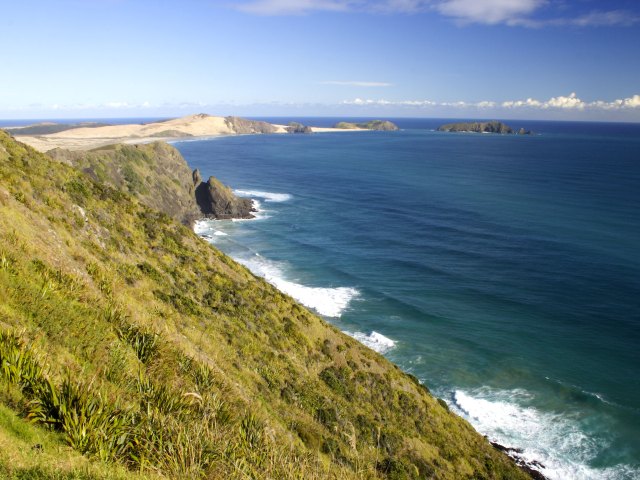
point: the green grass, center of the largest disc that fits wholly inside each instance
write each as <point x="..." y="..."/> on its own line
<point x="130" y="340"/>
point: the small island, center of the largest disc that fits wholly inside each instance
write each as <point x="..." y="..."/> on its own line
<point x="482" y="127"/>
<point x="379" y="125"/>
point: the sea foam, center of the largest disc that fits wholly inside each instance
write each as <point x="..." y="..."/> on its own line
<point x="375" y="341"/>
<point x="555" y="441"/>
<point x="330" y="302"/>
<point x="267" y="196"/>
<point x="208" y="229"/>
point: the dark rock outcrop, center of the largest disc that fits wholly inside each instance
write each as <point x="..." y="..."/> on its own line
<point x="482" y="127"/>
<point x="156" y="173"/>
<point x="160" y="178"/>
<point x="197" y="178"/>
<point x="380" y="125"/>
<point x="244" y="126"/>
<point x="216" y="200"/>
<point x="295" y="127"/>
<point x="529" y="467"/>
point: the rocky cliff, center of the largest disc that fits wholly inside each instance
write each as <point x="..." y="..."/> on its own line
<point x="216" y="200"/>
<point x="159" y="176"/>
<point x="243" y="126"/>
<point x="295" y="127"/>
<point x="156" y="173"/>
<point x="126" y="339"/>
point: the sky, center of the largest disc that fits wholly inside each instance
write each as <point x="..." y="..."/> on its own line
<point x="525" y="59"/>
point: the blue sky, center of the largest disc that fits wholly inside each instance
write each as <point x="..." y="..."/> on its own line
<point x="547" y="59"/>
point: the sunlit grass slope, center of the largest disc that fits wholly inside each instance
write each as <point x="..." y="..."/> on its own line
<point x="134" y="348"/>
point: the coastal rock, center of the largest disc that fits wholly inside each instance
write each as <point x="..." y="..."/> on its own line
<point x="156" y="173"/>
<point x="523" y="131"/>
<point x="295" y="127"/>
<point x="379" y="125"/>
<point x="516" y="455"/>
<point x="159" y="176"/>
<point x="216" y="200"/>
<point x="244" y="126"/>
<point x="477" y="127"/>
<point x="197" y="178"/>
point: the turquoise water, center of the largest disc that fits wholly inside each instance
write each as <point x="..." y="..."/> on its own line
<point x="503" y="271"/>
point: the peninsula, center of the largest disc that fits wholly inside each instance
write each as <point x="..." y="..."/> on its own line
<point x="45" y="137"/>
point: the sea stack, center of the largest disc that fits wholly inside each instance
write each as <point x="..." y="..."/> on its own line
<point x="218" y="201"/>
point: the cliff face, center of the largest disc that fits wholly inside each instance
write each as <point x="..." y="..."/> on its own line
<point x="159" y="177"/>
<point x="218" y="201"/>
<point x="244" y="126"/>
<point x="143" y="347"/>
<point x="156" y="173"/>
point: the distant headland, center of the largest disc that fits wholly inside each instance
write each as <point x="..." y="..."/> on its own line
<point x="482" y="127"/>
<point x="381" y="125"/>
<point x="89" y="135"/>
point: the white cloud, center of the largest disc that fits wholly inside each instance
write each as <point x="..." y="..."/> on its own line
<point x="489" y="12"/>
<point x="572" y="101"/>
<point x="529" y="102"/>
<point x="606" y="19"/>
<point x="357" y="84"/>
<point x="569" y="102"/>
<point x="418" y="103"/>
<point x="486" y="104"/>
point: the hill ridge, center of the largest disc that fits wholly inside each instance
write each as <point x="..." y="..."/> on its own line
<point x="167" y="357"/>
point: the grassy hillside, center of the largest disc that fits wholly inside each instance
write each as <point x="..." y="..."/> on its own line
<point x="155" y="173"/>
<point x="131" y="341"/>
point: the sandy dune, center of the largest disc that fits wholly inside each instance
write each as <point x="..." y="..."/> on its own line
<point x="191" y="126"/>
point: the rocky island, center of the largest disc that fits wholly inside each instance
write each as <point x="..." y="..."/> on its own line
<point x="296" y="127"/>
<point x="380" y="125"/>
<point x="482" y="127"/>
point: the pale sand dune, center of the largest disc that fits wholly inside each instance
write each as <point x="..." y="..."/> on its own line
<point x="191" y="126"/>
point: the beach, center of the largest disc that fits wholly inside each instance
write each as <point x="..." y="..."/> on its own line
<point x="191" y="127"/>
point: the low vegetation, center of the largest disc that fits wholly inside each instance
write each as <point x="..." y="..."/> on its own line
<point x="370" y="125"/>
<point x="130" y="348"/>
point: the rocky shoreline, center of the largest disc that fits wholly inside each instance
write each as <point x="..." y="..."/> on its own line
<point x="161" y="178"/>
<point x="515" y="454"/>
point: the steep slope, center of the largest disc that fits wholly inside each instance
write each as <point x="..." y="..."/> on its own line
<point x="160" y="178"/>
<point x="156" y="173"/>
<point x="143" y="346"/>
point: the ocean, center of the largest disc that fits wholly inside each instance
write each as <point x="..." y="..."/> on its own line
<point x="503" y="271"/>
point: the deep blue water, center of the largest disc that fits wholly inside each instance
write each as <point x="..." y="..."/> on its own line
<point x="503" y="271"/>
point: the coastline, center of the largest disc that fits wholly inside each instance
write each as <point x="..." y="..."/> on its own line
<point x="259" y="182"/>
<point x="190" y="128"/>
